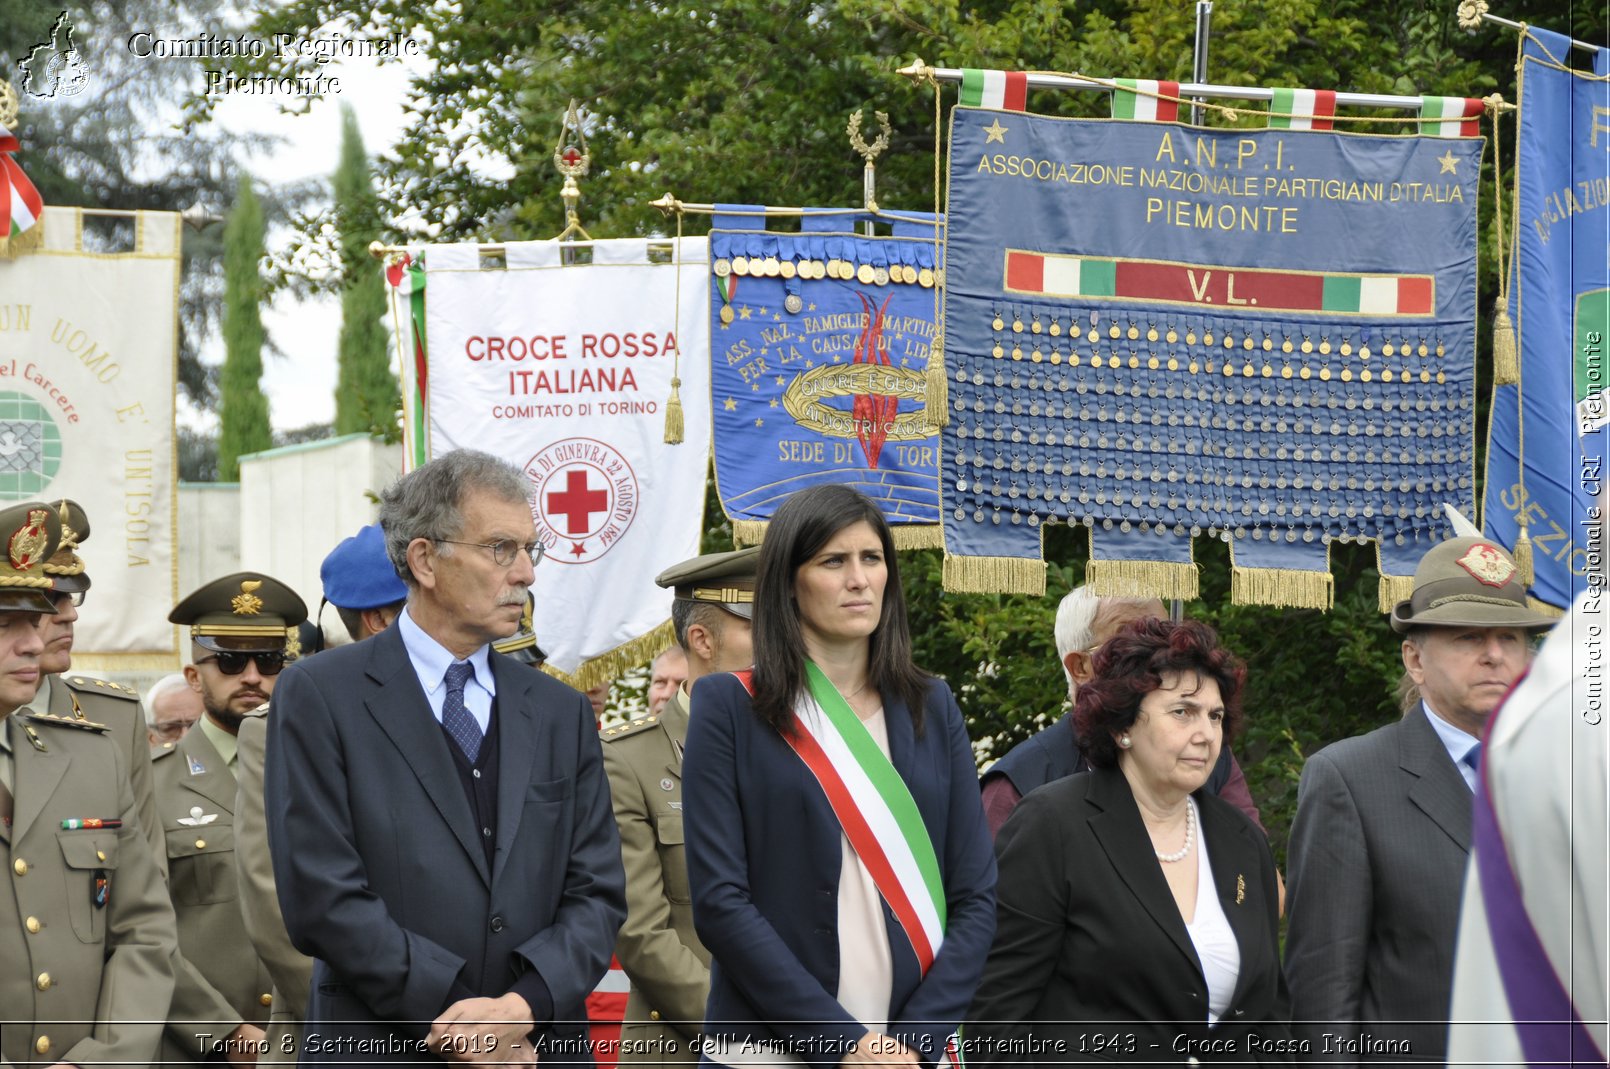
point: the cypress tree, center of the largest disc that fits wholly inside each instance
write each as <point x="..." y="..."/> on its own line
<point x="366" y="392"/>
<point x="243" y="408"/>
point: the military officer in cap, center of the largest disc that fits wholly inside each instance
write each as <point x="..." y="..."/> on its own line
<point x="86" y="931"/>
<point x="238" y="626"/>
<point x="363" y="586"/>
<point x="1381" y="838"/>
<point x="669" y="968"/>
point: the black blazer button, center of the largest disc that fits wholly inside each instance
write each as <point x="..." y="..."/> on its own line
<point x="497" y="923"/>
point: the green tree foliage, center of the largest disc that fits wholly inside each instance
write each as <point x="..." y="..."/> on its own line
<point x="366" y="392"/>
<point x="243" y="408"/>
<point x="744" y="101"/>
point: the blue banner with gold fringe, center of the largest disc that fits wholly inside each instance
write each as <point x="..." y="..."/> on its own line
<point x="819" y="346"/>
<point x="1265" y="336"/>
<point x="1545" y="464"/>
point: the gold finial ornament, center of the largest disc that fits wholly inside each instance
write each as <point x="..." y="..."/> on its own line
<point x="1470" y="12"/>
<point x="571" y="159"/>
<point x="869" y="151"/>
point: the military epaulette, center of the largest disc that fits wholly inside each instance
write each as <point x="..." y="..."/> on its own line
<point x="91" y="685"/>
<point x="67" y="722"/>
<point x="631" y="727"/>
<point x="260" y="711"/>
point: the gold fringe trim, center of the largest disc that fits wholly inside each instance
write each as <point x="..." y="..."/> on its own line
<point x="673" y="414"/>
<point x="1282" y="588"/>
<point x="994" y="575"/>
<point x="1164" y="579"/>
<point x="16" y="244"/>
<point x="612" y="665"/>
<point x="906" y="535"/>
<point x="108" y="663"/>
<point x="1544" y="607"/>
<point x="1506" y="365"/>
<point x="1393" y="589"/>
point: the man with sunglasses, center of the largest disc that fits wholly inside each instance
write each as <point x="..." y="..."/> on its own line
<point x="238" y="626"/>
<point x="443" y="840"/>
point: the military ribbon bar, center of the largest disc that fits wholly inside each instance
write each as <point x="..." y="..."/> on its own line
<point x="1142" y="99"/>
<point x="1006" y="90"/>
<point x="1302" y="109"/>
<point x="1450" y="116"/>
<point x="1050" y="275"/>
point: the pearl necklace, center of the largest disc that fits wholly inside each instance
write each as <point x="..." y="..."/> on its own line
<point x="1190" y="834"/>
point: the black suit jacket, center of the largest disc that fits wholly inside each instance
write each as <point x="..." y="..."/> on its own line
<point x="1378" y="854"/>
<point x="380" y="868"/>
<point x="1092" y="960"/>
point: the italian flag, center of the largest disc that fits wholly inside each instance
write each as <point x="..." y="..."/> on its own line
<point x="1450" y="116"/>
<point x="1003" y="90"/>
<point x="1060" y="276"/>
<point x="1378" y="294"/>
<point x="1137" y="98"/>
<point x="20" y="203"/>
<point x="1302" y="109"/>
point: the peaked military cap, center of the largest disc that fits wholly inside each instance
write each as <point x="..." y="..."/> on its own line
<point x="1467" y="582"/>
<point x="724" y="579"/>
<point x="65" y="567"/>
<point x="247" y="612"/>
<point x="522" y="645"/>
<point x="30" y="534"/>
<point x="357" y="575"/>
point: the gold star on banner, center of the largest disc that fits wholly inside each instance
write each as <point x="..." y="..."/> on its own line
<point x="1449" y="163"/>
<point x="774" y="402"/>
<point x="743" y="313"/>
<point x="995" y="133"/>
<point x="810" y="363"/>
<point x="754" y="387"/>
<point x="765" y="351"/>
<point x="760" y="423"/>
<point x="835" y="358"/>
<point x="776" y="318"/>
<point x="726" y="326"/>
<point x="730" y="405"/>
<point x="810" y="307"/>
<point x="764" y="312"/>
<point x="781" y="381"/>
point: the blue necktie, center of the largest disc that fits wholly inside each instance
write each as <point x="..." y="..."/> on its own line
<point x="457" y="719"/>
<point x="1472" y="759"/>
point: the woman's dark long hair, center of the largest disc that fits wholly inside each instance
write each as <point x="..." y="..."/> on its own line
<point x="805" y="523"/>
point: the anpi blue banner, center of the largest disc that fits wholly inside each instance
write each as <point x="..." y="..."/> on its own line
<point x="1159" y="332"/>
<point x="819" y="345"/>
<point x="1560" y="304"/>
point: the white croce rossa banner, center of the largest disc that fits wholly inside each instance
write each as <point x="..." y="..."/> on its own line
<point x="88" y="355"/>
<point x="565" y="370"/>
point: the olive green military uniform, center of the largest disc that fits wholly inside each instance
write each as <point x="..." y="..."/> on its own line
<point x="86" y="933"/>
<point x="669" y="968"/>
<point x="196" y="801"/>
<point x="75" y="697"/>
<point x="290" y="969"/>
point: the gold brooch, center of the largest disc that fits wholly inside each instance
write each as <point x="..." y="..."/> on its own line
<point x="247" y="603"/>
<point x="1240" y="888"/>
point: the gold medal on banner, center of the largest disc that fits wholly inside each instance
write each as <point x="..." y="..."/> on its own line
<point x="726" y="313"/>
<point x="787" y="269"/>
<point x="793" y="304"/>
<point x="880" y="276"/>
<point x="925" y="278"/>
<point x="740" y="266"/>
<point x="722" y="268"/>
<point x="770" y="267"/>
<point x="865" y="274"/>
<point x="833" y="267"/>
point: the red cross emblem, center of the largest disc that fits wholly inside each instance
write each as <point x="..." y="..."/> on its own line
<point x="586" y="498"/>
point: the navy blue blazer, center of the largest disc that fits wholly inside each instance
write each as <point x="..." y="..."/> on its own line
<point x="380" y="868"/>
<point x="763" y="850"/>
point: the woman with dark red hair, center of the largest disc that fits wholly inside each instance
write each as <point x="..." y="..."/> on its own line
<point x="1137" y="914"/>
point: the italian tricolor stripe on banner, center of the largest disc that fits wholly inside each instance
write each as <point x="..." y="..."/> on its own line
<point x="1302" y="109"/>
<point x="1137" y="98"/>
<point x="1006" y="90"/>
<point x="1450" y="116"/>
<point x="1052" y="275"/>
<point x="20" y="203"/>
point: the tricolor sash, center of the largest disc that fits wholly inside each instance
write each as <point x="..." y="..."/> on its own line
<point x="874" y="807"/>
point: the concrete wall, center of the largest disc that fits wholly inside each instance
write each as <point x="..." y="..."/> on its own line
<point x="209" y="532"/>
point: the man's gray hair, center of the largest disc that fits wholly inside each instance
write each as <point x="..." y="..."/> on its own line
<point x="169" y="683"/>
<point x="1076" y="618"/>
<point x="428" y="502"/>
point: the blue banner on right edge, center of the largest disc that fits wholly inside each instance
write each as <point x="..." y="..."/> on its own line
<point x="1560" y="304"/>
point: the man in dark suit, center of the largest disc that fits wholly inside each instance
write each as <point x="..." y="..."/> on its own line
<point x="1382" y="833"/>
<point x="438" y="814"/>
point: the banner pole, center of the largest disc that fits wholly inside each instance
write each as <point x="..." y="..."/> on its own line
<point x="1199" y="66"/>
<point x="1479" y="10"/>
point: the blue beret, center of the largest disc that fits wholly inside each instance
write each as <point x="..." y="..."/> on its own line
<point x="358" y="575"/>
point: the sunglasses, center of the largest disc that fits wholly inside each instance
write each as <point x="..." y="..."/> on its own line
<point x="233" y="664"/>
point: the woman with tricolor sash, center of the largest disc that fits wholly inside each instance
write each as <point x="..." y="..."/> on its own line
<point x="841" y="869"/>
<point x="1138" y="915"/>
